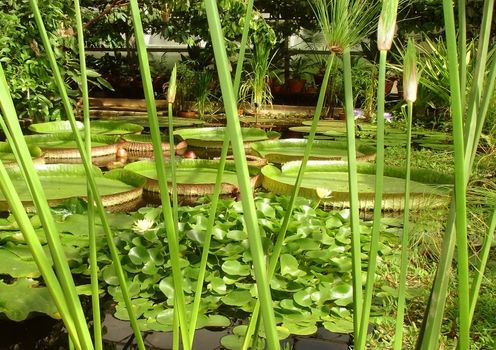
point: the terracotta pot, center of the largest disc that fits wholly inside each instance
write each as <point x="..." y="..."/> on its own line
<point x="312" y="89"/>
<point x="296" y="85"/>
<point x="277" y="88"/>
<point x="186" y="114"/>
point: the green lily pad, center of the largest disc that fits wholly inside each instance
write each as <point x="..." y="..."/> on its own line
<point x="7" y="157"/>
<point x="232" y="342"/>
<point x="235" y="268"/>
<point x="281" y="151"/>
<point x="237" y="298"/>
<point x="328" y="183"/>
<point x="194" y="177"/>
<point x="54" y="127"/>
<point x="304" y="297"/>
<point x="289" y="266"/>
<point x="142" y="119"/>
<point x="16" y="261"/>
<point x="214" y="137"/>
<point x="113" y="127"/>
<point x="300" y="328"/>
<point x="108" y="127"/>
<point x="339" y="326"/>
<point x="63" y="181"/>
<point x="23" y="297"/>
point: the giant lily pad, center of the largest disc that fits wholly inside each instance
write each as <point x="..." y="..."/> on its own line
<point x="140" y="147"/>
<point x="54" y="127"/>
<point x="62" y="148"/>
<point x="281" y="151"/>
<point x="108" y="127"/>
<point x="24" y="296"/>
<point x="194" y="178"/>
<point x="63" y="181"/>
<point x="141" y="118"/>
<point x="328" y="182"/>
<point x="7" y="157"/>
<point x="213" y="137"/>
<point x="114" y="127"/>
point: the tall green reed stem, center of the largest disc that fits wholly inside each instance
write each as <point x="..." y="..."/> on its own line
<point x="170" y="227"/>
<point x="29" y="234"/>
<point x="410" y="83"/>
<point x="484" y="256"/>
<point x="248" y="204"/>
<point x="356" y="250"/>
<point x="95" y="294"/>
<point x="385" y="35"/>
<point x="276" y="252"/>
<point x="218" y="180"/>
<point x="400" y="311"/>
<point x="91" y="180"/>
<point x="460" y="176"/>
<point x="379" y="185"/>
<point x="434" y="313"/>
<point x="171" y="96"/>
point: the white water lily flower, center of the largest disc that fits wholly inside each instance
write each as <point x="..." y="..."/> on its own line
<point x="143" y="225"/>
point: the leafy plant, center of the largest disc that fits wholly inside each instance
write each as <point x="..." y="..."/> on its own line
<point x="256" y="87"/>
<point x="33" y="89"/>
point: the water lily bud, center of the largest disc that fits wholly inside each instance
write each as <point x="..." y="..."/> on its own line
<point x="410" y="76"/>
<point x="387" y="25"/>
<point x="171" y="92"/>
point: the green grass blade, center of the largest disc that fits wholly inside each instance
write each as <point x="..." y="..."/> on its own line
<point x="88" y="169"/>
<point x="379" y="185"/>
<point x="400" y="313"/>
<point x="433" y="318"/>
<point x="34" y="244"/>
<point x="218" y="180"/>
<point x="233" y="128"/>
<point x="242" y="47"/>
<point x="276" y="252"/>
<point x="484" y="257"/>
<point x="356" y="250"/>
<point x="460" y="176"/>
<point x="57" y="252"/>
<point x="172" y="237"/>
<point x="462" y="49"/>
<point x="95" y="297"/>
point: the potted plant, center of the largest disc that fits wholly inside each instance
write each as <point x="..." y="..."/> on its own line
<point x="299" y="68"/>
<point x="184" y="103"/>
<point x="256" y="88"/>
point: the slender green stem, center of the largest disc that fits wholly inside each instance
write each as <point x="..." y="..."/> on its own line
<point x="91" y="180"/>
<point x="479" y="74"/>
<point x="242" y="47"/>
<point x="276" y="252"/>
<point x="175" y="332"/>
<point x="462" y="49"/>
<point x="354" y="205"/>
<point x="400" y="313"/>
<point x="170" y="226"/>
<point x="433" y="318"/>
<point x="173" y="167"/>
<point x="460" y="175"/>
<point x="379" y="185"/>
<point x="95" y="296"/>
<point x="22" y="156"/>
<point x="218" y="181"/>
<point x="208" y="237"/>
<point x="248" y="204"/>
<point x="484" y="256"/>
